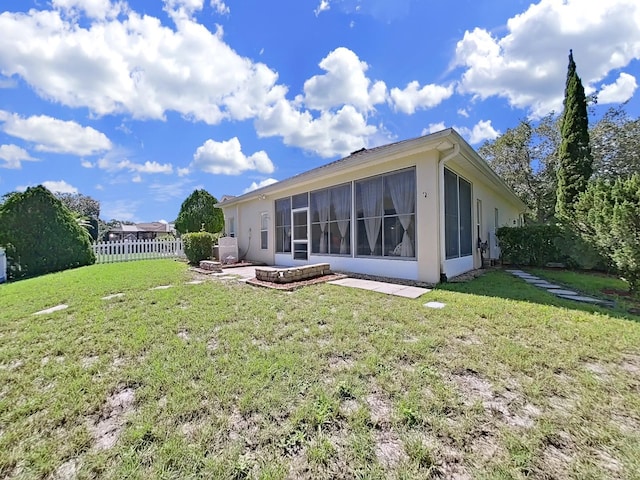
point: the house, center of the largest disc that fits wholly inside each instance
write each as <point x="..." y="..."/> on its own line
<point x="416" y="209"/>
<point x="140" y="231"/>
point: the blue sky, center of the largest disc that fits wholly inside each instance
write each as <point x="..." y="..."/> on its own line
<point x="137" y="103"/>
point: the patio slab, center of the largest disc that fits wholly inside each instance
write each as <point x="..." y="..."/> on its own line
<point x="437" y="305"/>
<point x="560" y="291"/>
<point x="381" y="287"/>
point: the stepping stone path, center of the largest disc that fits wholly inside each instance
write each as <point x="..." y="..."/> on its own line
<point x="161" y="287"/>
<point x="434" y="305"/>
<point x="52" y="309"/>
<point x="115" y="295"/>
<point x="557" y="290"/>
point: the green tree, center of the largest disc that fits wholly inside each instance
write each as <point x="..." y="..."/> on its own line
<point x="41" y="235"/>
<point x="86" y="210"/>
<point x="525" y="158"/>
<point x="198" y="211"/>
<point x="608" y="216"/>
<point x="575" y="163"/>
<point x="615" y="144"/>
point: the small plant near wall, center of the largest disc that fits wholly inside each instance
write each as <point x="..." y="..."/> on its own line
<point x="198" y="246"/>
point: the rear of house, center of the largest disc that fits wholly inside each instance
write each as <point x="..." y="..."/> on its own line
<point x="416" y="209"/>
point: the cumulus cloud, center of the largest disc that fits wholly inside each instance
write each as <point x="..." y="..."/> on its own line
<point x="257" y="185"/>
<point x="59" y="186"/>
<point x="120" y="209"/>
<point x="13" y="156"/>
<point x="481" y="131"/>
<point x="344" y="83"/>
<point x="528" y="64"/>
<point x="328" y="135"/>
<point x="52" y="135"/>
<point x="227" y="158"/>
<point x="620" y="91"/>
<point x="413" y="97"/>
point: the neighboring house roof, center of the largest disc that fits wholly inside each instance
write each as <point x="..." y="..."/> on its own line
<point x="158" y="227"/>
<point x="444" y="141"/>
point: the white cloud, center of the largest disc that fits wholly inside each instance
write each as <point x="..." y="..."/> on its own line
<point x="87" y="164"/>
<point x="163" y="192"/>
<point x="52" y="135"/>
<point x="620" y="91"/>
<point x="463" y="113"/>
<point x="322" y="7"/>
<point x="13" y="156"/>
<point x="226" y="158"/>
<point x="137" y="66"/>
<point x="433" y="128"/>
<point x="115" y="162"/>
<point x="528" y="64"/>
<point x="134" y="65"/>
<point x="328" y="135"/>
<point x="220" y="7"/>
<point x="183" y="171"/>
<point x="344" y="83"/>
<point x="481" y="131"/>
<point x="98" y="9"/>
<point x="413" y="97"/>
<point x="59" y="186"/>
<point x="137" y="179"/>
<point x="257" y="185"/>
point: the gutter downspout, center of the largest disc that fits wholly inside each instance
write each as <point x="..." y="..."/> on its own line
<point x="441" y="229"/>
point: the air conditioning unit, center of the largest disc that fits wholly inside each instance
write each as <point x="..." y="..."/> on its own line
<point x="228" y="250"/>
<point x="494" y="248"/>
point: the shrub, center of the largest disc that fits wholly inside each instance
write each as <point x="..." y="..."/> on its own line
<point x="608" y="215"/>
<point x="41" y="235"/>
<point x="531" y="245"/>
<point x="198" y="246"/>
<point x="199" y="213"/>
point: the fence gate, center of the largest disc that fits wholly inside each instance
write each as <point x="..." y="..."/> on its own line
<point x="128" y="250"/>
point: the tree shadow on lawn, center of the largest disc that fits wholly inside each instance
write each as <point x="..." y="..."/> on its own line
<point x="500" y="284"/>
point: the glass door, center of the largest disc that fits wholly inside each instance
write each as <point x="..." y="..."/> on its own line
<point x="300" y="219"/>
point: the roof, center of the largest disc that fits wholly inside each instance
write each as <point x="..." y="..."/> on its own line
<point x="158" y="227"/>
<point x="444" y="141"/>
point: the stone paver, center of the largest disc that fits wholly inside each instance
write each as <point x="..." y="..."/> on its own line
<point x="435" y="305"/>
<point x="161" y="287"/>
<point x="557" y="290"/>
<point x="194" y="282"/>
<point x="52" y="309"/>
<point x="112" y="296"/>
<point x="381" y="287"/>
<point x="561" y="291"/>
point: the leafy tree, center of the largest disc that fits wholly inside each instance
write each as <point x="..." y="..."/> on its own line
<point x="615" y="144"/>
<point x="575" y="163"/>
<point x="198" y="213"/>
<point x="608" y="215"/>
<point x="525" y="158"/>
<point x="40" y="235"/>
<point x="86" y="210"/>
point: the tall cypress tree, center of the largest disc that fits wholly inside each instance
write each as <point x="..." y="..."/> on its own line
<point x="575" y="163"/>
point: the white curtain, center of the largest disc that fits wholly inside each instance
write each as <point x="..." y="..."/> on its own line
<point x="322" y="207"/>
<point x="372" y="208"/>
<point x="402" y="188"/>
<point x="341" y="199"/>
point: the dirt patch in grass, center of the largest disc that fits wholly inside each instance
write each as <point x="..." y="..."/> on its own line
<point x="184" y="335"/>
<point x="106" y="429"/>
<point x="389" y="449"/>
<point x="67" y="471"/>
<point x="380" y="409"/>
<point x="508" y="404"/>
<point x="338" y="362"/>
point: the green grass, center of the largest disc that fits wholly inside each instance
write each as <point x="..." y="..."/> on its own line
<point x="232" y="381"/>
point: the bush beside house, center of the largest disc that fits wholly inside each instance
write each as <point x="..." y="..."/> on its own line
<point x="198" y="246"/>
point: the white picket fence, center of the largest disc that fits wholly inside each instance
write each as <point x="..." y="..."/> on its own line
<point x="128" y="250"/>
<point x="3" y="266"/>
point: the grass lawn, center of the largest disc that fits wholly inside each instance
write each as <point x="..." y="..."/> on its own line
<point x="225" y="380"/>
